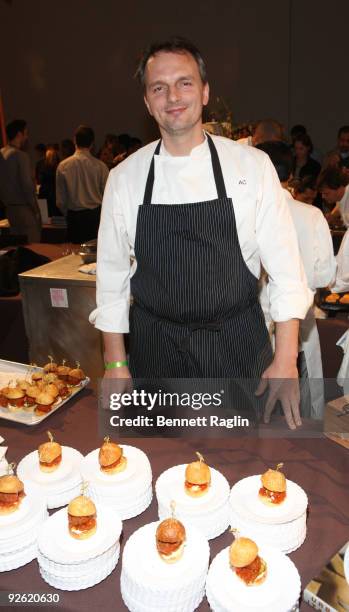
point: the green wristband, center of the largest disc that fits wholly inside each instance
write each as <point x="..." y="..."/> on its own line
<point x="110" y="365"/>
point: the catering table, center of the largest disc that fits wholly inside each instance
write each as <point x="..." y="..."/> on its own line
<point x="318" y="465"/>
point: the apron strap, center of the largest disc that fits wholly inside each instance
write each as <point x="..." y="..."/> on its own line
<point x="216" y="166"/>
<point x="150" y="180"/>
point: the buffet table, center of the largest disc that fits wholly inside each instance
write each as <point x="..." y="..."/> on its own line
<point x="320" y="466"/>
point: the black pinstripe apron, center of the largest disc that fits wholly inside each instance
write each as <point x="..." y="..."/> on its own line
<point x="196" y="311"/>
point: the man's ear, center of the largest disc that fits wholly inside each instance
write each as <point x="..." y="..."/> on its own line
<point x="147" y="105"/>
<point x="205" y="94"/>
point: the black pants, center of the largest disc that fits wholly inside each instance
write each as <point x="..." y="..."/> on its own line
<point x="83" y="224"/>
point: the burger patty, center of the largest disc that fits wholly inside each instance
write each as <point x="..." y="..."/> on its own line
<point x="276" y="497"/>
<point x="166" y="548"/>
<point x="84" y="523"/>
<point x="3" y="401"/>
<point x="30" y="401"/>
<point x="11" y="498"/>
<point x="19" y="401"/>
<point x="73" y="381"/>
<point x="44" y="407"/>
<point x="51" y="463"/>
<point x="190" y="485"/>
<point x="250" y="572"/>
<point x="111" y="465"/>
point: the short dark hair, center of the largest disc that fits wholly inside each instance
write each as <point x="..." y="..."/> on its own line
<point x="343" y="130"/>
<point x="84" y="136"/>
<point x="40" y="147"/>
<point x="297" y="130"/>
<point x="13" y="128"/>
<point x="305" y="140"/>
<point x="280" y="154"/>
<point x="332" y="177"/>
<point x="307" y="182"/>
<point x="176" y="44"/>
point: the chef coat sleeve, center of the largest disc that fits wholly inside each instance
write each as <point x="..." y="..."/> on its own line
<point x="342" y="278"/>
<point x="324" y="259"/>
<point x="290" y="297"/>
<point x="113" y="266"/>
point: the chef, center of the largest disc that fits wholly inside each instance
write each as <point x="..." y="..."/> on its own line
<point x="199" y="213"/>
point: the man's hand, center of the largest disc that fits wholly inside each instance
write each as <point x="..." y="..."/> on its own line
<point x="283" y="386"/>
<point x="122" y="380"/>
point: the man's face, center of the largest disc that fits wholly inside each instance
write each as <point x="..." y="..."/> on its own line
<point x="308" y="196"/>
<point x="343" y="142"/>
<point x="331" y="196"/>
<point x="174" y="92"/>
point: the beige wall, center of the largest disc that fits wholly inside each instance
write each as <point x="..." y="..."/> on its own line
<point x="64" y="62"/>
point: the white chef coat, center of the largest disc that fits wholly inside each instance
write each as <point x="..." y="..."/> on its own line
<point x="341" y="283"/>
<point x="265" y="229"/>
<point x="316" y="249"/>
<point x="343" y="207"/>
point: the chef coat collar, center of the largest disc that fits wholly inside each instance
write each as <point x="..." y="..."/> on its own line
<point x="197" y="152"/>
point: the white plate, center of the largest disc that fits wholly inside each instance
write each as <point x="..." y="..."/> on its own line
<point x="245" y="501"/>
<point x="10" y="370"/>
<point x="57" y="544"/>
<point x="138" y="467"/>
<point x="151" y="570"/>
<point x="62" y="478"/>
<point x="30" y="512"/>
<point x="170" y="486"/>
<point x="279" y="592"/>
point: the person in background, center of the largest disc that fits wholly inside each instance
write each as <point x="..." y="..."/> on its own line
<point x="134" y="145"/>
<point x="303" y="163"/>
<point x="333" y="184"/>
<point x="67" y="148"/>
<point x="48" y="182"/>
<point x="342" y="149"/>
<point x="304" y="190"/>
<point x="40" y="150"/>
<point x="301" y="130"/>
<point x="17" y="188"/>
<point x="267" y="130"/>
<point x="80" y="182"/>
<point x="316" y="249"/>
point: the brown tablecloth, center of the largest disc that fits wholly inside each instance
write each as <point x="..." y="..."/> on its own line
<point x="320" y="466"/>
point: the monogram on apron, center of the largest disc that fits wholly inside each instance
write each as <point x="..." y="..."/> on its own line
<point x="196" y="311"/>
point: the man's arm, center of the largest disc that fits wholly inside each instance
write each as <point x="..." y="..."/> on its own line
<point x="114" y="350"/>
<point x="282" y="375"/>
<point x="61" y="192"/>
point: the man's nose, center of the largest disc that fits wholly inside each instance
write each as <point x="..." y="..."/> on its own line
<point x="173" y="93"/>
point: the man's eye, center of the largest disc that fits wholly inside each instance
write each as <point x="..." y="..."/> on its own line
<point x="157" y="88"/>
<point x="186" y="83"/>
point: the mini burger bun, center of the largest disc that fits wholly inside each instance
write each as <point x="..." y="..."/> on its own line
<point x="81" y="506"/>
<point x="198" y="473"/>
<point x="48" y="452"/>
<point x="14" y="393"/>
<point x="171" y="531"/>
<point x="11" y="484"/>
<point x="242" y="552"/>
<point x="109" y="453"/>
<point x="273" y="480"/>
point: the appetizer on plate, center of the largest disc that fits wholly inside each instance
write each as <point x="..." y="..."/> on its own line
<point x="51" y="366"/>
<point x="44" y="403"/>
<point x="111" y="458"/>
<point x="170" y="540"/>
<point x="76" y="375"/>
<point x="11" y="492"/>
<point x="82" y="517"/>
<point x="197" y="477"/>
<point x="344" y="299"/>
<point x="332" y="298"/>
<point x="245" y="561"/>
<point x="50" y="455"/>
<point x="273" y="490"/>
<point x="15" y="398"/>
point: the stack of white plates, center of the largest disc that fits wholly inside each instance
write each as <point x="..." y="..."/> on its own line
<point x="284" y="525"/>
<point x="149" y="584"/>
<point x="19" y="532"/>
<point x="59" y="487"/>
<point x="129" y="492"/>
<point x="70" y="564"/>
<point x="279" y="592"/>
<point x="209" y="513"/>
